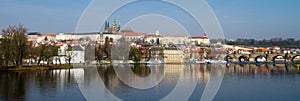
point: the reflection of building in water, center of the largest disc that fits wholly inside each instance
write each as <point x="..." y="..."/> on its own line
<point x="109" y="77"/>
<point x="171" y="74"/>
<point x="173" y="68"/>
<point x="263" y="69"/>
<point x="156" y="53"/>
<point x="203" y="72"/>
<point x="29" y="85"/>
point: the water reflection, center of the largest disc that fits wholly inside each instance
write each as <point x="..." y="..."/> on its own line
<point x="264" y="69"/>
<point x="248" y="81"/>
<point x="191" y="75"/>
<point x="38" y="85"/>
<point x="201" y="72"/>
<point x="141" y="70"/>
<point x="125" y="74"/>
<point x="260" y="82"/>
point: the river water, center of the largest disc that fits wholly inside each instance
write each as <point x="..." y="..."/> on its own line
<point x="231" y="82"/>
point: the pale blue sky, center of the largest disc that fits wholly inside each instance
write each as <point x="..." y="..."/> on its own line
<point x="239" y="18"/>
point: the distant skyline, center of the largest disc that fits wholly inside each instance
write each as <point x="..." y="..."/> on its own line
<point x="257" y="19"/>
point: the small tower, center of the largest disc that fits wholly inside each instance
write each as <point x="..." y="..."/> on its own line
<point x="157" y="37"/>
<point x="106" y="29"/>
<point x="205" y="36"/>
<point x="157" y="33"/>
<point x="119" y="28"/>
<point x="101" y="38"/>
<point x="114" y="27"/>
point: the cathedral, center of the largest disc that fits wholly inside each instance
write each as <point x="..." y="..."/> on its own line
<point x="114" y="29"/>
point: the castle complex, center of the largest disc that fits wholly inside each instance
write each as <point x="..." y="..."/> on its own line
<point x="115" y="28"/>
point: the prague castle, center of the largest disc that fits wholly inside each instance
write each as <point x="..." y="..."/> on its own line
<point x="115" y="28"/>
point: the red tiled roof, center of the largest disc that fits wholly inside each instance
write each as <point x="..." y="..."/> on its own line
<point x="198" y="37"/>
<point x="134" y="34"/>
<point x="53" y="35"/>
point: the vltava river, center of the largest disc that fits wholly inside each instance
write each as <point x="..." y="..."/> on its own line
<point x="154" y="82"/>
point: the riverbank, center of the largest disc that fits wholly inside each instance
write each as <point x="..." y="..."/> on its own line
<point x="35" y="67"/>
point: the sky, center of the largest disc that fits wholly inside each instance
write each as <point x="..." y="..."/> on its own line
<point x="257" y="19"/>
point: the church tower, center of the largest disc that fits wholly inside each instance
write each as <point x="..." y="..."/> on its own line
<point x="114" y="27"/>
<point x="205" y="36"/>
<point x="157" y="33"/>
<point x="106" y="29"/>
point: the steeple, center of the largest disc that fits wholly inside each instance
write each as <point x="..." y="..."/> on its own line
<point x="114" y="27"/>
<point x="205" y="36"/>
<point x="106" y="29"/>
<point x="119" y="27"/>
<point x="157" y="33"/>
<point x="114" y="22"/>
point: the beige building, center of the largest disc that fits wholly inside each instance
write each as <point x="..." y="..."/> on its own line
<point x="33" y="36"/>
<point x="46" y="37"/>
<point x="177" y="39"/>
<point x="167" y="39"/>
<point x="132" y="36"/>
<point x="87" y="36"/>
<point x="200" y="40"/>
<point x="63" y="36"/>
<point x="173" y="55"/>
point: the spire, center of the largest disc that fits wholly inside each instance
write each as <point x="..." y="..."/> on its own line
<point x="106" y="28"/>
<point x="157" y="33"/>
<point x="204" y="36"/>
<point x="114" y="21"/>
<point x="114" y="27"/>
<point x="119" y="27"/>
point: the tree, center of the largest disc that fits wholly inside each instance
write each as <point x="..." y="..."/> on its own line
<point x="5" y="48"/>
<point x="50" y="52"/>
<point x="135" y="54"/>
<point x="31" y="53"/>
<point x="104" y="51"/>
<point x="14" y="44"/>
<point x="107" y="48"/>
<point x="70" y="54"/>
<point x="1" y="57"/>
<point x="89" y="53"/>
<point x="152" y="41"/>
<point x="46" y="52"/>
<point x="99" y="52"/>
<point x="40" y="53"/>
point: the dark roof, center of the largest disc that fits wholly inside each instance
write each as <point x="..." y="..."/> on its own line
<point x="172" y="48"/>
<point x="107" y="33"/>
<point x="77" y="48"/>
<point x="34" y="33"/>
<point x="85" y="33"/>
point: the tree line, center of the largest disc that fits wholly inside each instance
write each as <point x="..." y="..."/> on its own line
<point x="14" y="48"/>
<point x="103" y="51"/>
<point x="284" y="43"/>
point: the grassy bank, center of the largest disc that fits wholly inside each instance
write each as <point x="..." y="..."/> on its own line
<point x="35" y="67"/>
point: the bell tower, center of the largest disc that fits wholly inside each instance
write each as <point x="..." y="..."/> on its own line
<point x="106" y="29"/>
<point x="114" y="27"/>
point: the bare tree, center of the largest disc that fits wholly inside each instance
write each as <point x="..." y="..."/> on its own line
<point x="14" y="44"/>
